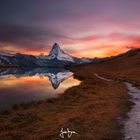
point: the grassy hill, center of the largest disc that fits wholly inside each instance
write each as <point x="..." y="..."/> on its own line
<point x="125" y="67"/>
<point x="92" y="109"/>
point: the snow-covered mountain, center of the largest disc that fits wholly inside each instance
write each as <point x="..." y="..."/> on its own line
<point x="5" y="54"/>
<point x="59" y="54"/>
<point x="18" y="60"/>
<point x="56" y="58"/>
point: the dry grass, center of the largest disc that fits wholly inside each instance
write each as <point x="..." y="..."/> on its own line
<point x="125" y="67"/>
<point x="91" y="109"/>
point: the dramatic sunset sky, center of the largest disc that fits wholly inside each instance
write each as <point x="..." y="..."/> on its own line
<point x="83" y="28"/>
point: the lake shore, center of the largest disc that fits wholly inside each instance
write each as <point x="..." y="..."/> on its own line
<point x="93" y="109"/>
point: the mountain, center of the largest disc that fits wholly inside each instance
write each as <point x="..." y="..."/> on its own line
<point x="56" y="58"/>
<point x="18" y="60"/>
<point x="56" y="76"/>
<point x="59" y="54"/>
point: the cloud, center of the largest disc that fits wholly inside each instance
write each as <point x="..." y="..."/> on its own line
<point x="131" y="40"/>
<point x="30" y="38"/>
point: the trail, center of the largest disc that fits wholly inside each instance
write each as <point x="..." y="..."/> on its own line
<point x="132" y="124"/>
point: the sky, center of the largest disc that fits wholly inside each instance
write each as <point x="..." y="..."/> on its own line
<point x="82" y="28"/>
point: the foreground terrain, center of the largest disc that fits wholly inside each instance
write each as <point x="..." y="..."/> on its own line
<point x="93" y="109"/>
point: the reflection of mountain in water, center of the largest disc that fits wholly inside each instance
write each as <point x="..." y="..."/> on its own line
<point x="56" y="76"/>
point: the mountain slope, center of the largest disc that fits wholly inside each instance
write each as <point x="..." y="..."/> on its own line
<point x="125" y="67"/>
<point x="59" y="54"/>
<point x="18" y="60"/>
<point x="56" y="58"/>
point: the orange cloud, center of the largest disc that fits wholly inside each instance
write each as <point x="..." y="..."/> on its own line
<point x="88" y="46"/>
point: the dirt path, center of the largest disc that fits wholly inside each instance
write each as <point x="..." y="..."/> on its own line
<point x="132" y="124"/>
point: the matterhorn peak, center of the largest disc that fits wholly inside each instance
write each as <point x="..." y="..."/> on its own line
<point x="55" y="46"/>
<point x="55" y="49"/>
<point x="57" y="53"/>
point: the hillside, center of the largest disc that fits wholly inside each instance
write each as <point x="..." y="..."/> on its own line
<point x="123" y="67"/>
<point x="56" y="58"/>
<point x="92" y="109"/>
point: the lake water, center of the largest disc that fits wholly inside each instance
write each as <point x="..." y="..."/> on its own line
<point x="25" y="85"/>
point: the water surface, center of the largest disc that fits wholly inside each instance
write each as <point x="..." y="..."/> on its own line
<point x="25" y="85"/>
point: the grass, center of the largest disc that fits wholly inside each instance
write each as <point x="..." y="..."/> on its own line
<point x="93" y="109"/>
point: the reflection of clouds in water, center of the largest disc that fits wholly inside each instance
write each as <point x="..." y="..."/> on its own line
<point x="15" y="90"/>
<point x="69" y="83"/>
<point x="56" y="76"/>
<point x="36" y="83"/>
<point x="13" y="81"/>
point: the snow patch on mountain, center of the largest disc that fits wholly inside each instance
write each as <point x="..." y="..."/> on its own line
<point x="5" y="54"/>
<point x="59" y="54"/>
<point x="86" y="60"/>
<point x="56" y="58"/>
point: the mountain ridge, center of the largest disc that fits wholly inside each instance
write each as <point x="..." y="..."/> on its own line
<point x="57" y="52"/>
<point x="56" y="58"/>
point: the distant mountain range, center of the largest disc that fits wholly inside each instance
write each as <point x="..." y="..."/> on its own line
<point x="56" y="58"/>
